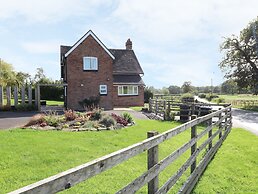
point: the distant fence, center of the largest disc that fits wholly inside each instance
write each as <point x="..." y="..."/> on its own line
<point x="163" y="108"/>
<point x="217" y="132"/>
<point x="244" y="103"/>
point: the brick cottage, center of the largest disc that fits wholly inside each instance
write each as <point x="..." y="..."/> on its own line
<point x="89" y="69"/>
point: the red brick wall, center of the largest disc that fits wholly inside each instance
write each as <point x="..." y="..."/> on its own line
<point x="127" y="101"/>
<point x="90" y="80"/>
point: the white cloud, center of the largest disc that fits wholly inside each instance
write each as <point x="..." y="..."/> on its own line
<point x="47" y="10"/>
<point x="41" y="47"/>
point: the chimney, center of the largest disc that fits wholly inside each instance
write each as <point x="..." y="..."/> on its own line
<point x="129" y="44"/>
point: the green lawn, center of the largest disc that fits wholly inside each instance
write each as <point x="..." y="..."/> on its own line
<point x="28" y="156"/>
<point x="55" y="103"/>
<point x="235" y="166"/>
<point x="139" y="108"/>
<point x="229" y="98"/>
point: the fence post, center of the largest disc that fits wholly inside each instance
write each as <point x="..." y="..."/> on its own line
<point x="30" y="95"/>
<point x="210" y="132"/>
<point x="150" y="105"/>
<point x="8" y="95"/>
<point x="1" y="96"/>
<point x="193" y="148"/>
<point x="23" y="94"/>
<point x="156" y="106"/>
<point x="226" y="120"/>
<point x="38" y="97"/>
<point x="15" y="95"/>
<point x="164" y="106"/>
<point x="220" y="125"/>
<point x="153" y="158"/>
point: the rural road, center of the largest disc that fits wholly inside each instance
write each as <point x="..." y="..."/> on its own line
<point x="241" y="118"/>
<point x="245" y="119"/>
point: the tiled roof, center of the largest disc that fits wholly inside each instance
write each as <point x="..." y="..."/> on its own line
<point x="128" y="79"/>
<point x="125" y="62"/>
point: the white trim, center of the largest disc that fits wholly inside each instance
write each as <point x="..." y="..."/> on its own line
<point x="96" y="38"/>
<point x="122" y="86"/>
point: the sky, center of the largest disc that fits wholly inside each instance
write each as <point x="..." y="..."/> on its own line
<point x="174" y="40"/>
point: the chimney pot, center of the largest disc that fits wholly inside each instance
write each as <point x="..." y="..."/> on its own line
<point x="129" y="44"/>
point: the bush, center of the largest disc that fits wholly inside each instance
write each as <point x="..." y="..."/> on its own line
<point x="119" y="119"/>
<point x="91" y="124"/>
<point x="202" y="95"/>
<point x="127" y="117"/>
<point x="170" y="115"/>
<point x="5" y="108"/>
<point x="52" y="119"/>
<point x="36" y="119"/>
<point x="90" y="103"/>
<point x="209" y="97"/>
<point x="96" y="114"/>
<point x="220" y="100"/>
<point x="70" y="115"/>
<point x="147" y="95"/>
<point x="107" y="120"/>
<point x="187" y="97"/>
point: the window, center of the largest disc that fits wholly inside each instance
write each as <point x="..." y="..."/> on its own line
<point x="103" y="89"/>
<point x="127" y="90"/>
<point x="90" y="63"/>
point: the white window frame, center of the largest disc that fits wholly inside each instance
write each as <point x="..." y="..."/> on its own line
<point x="134" y="92"/>
<point x="91" y="68"/>
<point x="103" y="89"/>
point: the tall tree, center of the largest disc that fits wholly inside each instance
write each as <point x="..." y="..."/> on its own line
<point x="240" y="61"/>
<point x="7" y="74"/>
<point x="187" y="87"/>
<point x="174" y="89"/>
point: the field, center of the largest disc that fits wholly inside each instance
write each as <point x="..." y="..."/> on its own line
<point x="229" y="98"/>
<point x="54" y="103"/>
<point x="28" y="156"/>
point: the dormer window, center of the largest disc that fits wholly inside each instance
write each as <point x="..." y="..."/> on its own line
<point x="90" y="63"/>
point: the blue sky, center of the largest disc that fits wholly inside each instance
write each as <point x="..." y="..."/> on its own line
<point x="174" y="40"/>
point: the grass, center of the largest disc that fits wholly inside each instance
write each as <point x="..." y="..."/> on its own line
<point x="28" y="156"/>
<point x="139" y="108"/>
<point x="229" y="98"/>
<point x="55" y="103"/>
<point x="235" y="166"/>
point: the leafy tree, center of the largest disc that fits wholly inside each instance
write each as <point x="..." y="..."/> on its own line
<point x="147" y="94"/>
<point x="174" y="89"/>
<point x="40" y="77"/>
<point x="229" y="87"/>
<point x="7" y="74"/>
<point x="23" y="79"/>
<point x="240" y="61"/>
<point x="187" y="87"/>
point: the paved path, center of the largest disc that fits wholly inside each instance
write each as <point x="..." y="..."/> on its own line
<point x="245" y="119"/>
<point x="242" y="118"/>
<point x="14" y="119"/>
<point x="135" y="114"/>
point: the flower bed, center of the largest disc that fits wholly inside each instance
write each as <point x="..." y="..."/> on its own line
<point x="95" y="120"/>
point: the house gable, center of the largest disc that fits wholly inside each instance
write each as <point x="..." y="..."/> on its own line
<point x="89" y="33"/>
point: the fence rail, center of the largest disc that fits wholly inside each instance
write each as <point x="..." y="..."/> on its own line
<point x="163" y="108"/>
<point x="73" y="176"/>
<point x="244" y="103"/>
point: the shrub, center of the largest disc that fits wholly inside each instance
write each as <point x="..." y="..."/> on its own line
<point x="91" y="124"/>
<point x="209" y="97"/>
<point x="90" y="103"/>
<point x="119" y="119"/>
<point x="147" y="95"/>
<point x="70" y="115"/>
<point x="202" y="95"/>
<point x="52" y="119"/>
<point x="127" y="117"/>
<point x="107" y="120"/>
<point x="170" y="115"/>
<point x="96" y="114"/>
<point x="36" y="119"/>
<point x="220" y="100"/>
<point x="5" y="108"/>
<point x="187" y="97"/>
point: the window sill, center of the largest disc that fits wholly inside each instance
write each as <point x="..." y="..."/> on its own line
<point x="128" y="94"/>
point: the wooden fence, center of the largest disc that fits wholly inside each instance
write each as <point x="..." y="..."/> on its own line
<point x="244" y="103"/>
<point x="73" y="176"/>
<point x="13" y="92"/>
<point x="163" y="108"/>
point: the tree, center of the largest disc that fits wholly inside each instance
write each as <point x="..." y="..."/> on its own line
<point x="174" y="89"/>
<point x="40" y="76"/>
<point x="240" y="61"/>
<point x="147" y="94"/>
<point x="187" y="87"/>
<point x="229" y="87"/>
<point x="7" y="74"/>
<point x="23" y="79"/>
